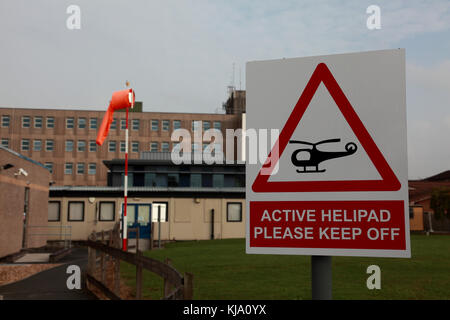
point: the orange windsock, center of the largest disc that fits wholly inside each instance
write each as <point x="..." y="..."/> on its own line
<point x="120" y="100"/>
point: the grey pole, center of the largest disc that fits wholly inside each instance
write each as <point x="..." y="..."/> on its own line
<point x="159" y="226"/>
<point x="321" y="278"/>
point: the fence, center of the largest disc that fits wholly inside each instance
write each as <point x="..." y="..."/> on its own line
<point x="53" y="233"/>
<point x="104" y="259"/>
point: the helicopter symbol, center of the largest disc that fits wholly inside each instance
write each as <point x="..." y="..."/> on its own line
<point x="312" y="157"/>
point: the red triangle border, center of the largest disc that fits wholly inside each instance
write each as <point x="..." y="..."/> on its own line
<point x="389" y="181"/>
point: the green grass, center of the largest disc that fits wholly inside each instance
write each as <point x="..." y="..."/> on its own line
<point x="222" y="270"/>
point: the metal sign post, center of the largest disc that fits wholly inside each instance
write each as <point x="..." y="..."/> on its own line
<point x="321" y="278"/>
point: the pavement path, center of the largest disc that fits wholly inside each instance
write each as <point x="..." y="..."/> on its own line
<point x="50" y="284"/>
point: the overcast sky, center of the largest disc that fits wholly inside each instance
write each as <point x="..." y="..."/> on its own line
<point x="179" y="54"/>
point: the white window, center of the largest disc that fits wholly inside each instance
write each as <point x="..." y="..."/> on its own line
<point x="165" y="125"/>
<point x="25" y="145"/>
<point x="5" y="142"/>
<point x="162" y="209"/>
<point x="155" y="125"/>
<point x="81" y="123"/>
<point x="80" y="168"/>
<point x="49" y="145"/>
<point x="107" y="211"/>
<point x="112" y="146"/>
<point x="165" y="147"/>
<point x="93" y="123"/>
<point x="54" y="211"/>
<point x="92" y="146"/>
<point x="70" y="123"/>
<point x="69" y="145"/>
<point x="5" y="121"/>
<point x="81" y="145"/>
<point x="135" y="146"/>
<point x="26" y="121"/>
<point x="234" y="212"/>
<point x="38" y="122"/>
<point x="92" y="169"/>
<point x="154" y="146"/>
<point x="76" y="211"/>
<point x="135" y="124"/>
<point x="50" y="122"/>
<point x="37" y="145"/>
<point x="68" y="168"/>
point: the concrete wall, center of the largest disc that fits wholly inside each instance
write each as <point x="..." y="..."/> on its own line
<point x="12" y="200"/>
<point x="188" y="218"/>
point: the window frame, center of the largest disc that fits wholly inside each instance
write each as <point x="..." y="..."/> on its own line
<point x="83" y="165"/>
<point x="152" y="122"/>
<point x="5" y="116"/>
<point x="70" y="119"/>
<point x="81" y="126"/>
<point x="100" y="211"/>
<point x="89" y="169"/>
<point x="41" y="120"/>
<point x="59" y="211"/>
<point x="68" y="211"/>
<point x="47" y="122"/>
<point x="29" y="121"/>
<point x="21" y="144"/>
<point x="34" y="145"/>
<point x="47" y="145"/>
<point x="228" y="205"/>
<point x="65" y="168"/>
<point x="112" y="143"/>
<point x="165" y="125"/>
<point x="91" y="122"/>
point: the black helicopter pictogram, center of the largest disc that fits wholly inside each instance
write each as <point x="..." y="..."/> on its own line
<point x="317" y="156"/>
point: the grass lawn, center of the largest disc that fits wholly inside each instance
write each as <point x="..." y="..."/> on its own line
<point x="222" y="270"/>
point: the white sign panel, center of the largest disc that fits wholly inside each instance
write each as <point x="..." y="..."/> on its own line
<point x="335" y="180"/>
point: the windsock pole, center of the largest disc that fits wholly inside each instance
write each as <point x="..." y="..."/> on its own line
<point x="125" y="183"/>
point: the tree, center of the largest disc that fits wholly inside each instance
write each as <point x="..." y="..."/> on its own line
<point x="440" y="202"/>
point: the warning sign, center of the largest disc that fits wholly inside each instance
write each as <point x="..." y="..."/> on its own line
<point x="340" y="184"/>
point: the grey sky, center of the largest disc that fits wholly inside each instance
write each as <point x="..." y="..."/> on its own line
<point x="179" y="54"/>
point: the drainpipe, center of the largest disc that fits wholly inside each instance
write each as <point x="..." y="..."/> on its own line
<point x="212" y="224"/>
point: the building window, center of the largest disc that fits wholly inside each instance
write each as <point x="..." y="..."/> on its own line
<point x="122" y="146"/>
<point x="69" y="145"/>
<point x="54" y="211"/>
<point x="173" y="180"/>
<point x="206" y="125"/>
<point x="75" y="211"/>
<point x="112" y="146"/>
<point x="196" y="125"/>
<point x="92" y="146"/>
<point x="218" y="180"/>
<point x="5" y="121"/>
<point x="81" y="146"/>
<point x="49" y="166"/>
<point x="5" y="142"/>
<point x="217" y="125"/>
<point x="68" y="168"/>
<point x="135" y="124"/>
<point x="93" y="123"/>
<point x="154" y="146"/>
<point x="49" y="145"/>
<point x="38" y="122"/>
<point x="165" y="147"/>
<point x="196" y="180"/>
<point x="123" y="124"/>
<point x="155" y="125"/>
<point x="165" y="125"/>
<point x="114" y="124"/>
<point x="135" y="146"/>
<point x="25" y="145"/>
<point x="26" y="121"/>
<point x="234" y="212"/>
<point x="176" y="124"/>
<point x="37" y="145"/>
<point x="80" y="168"/>
<point x="107" y="211"/>
<point x="70" y="123"/>
<point x="160" y="209"/>
<point x="92" y="169"/>
<point x="50" y="122"/>
<point x="81" y="123"/>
